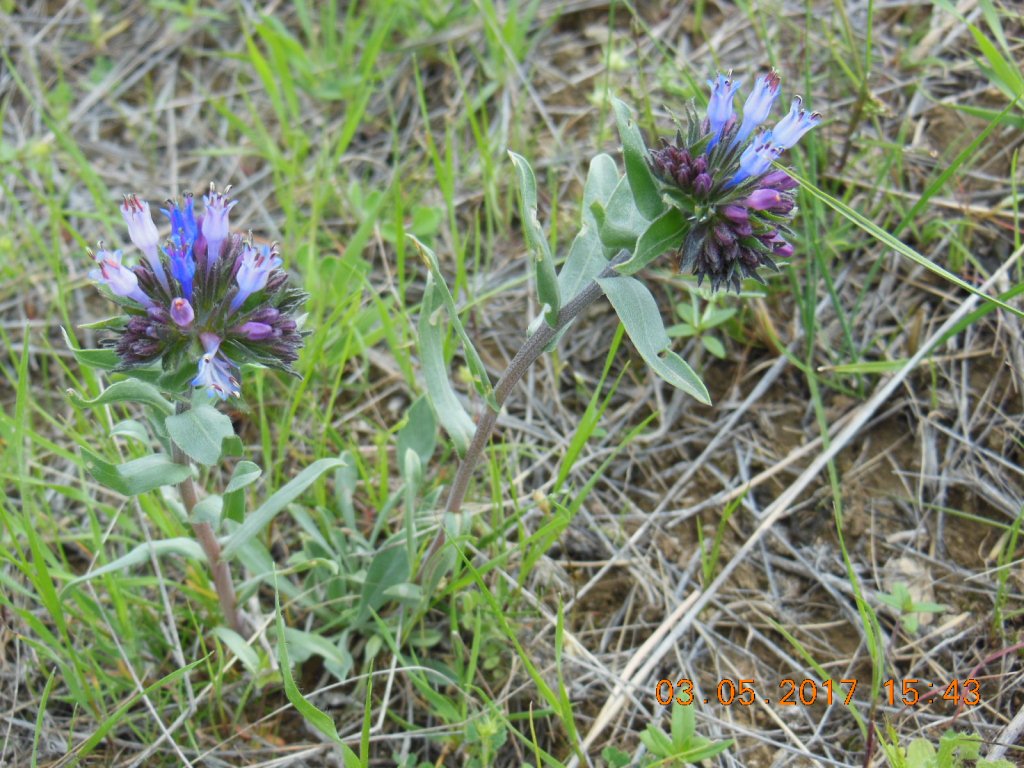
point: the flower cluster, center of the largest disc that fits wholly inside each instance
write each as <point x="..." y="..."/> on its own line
<point x="719" y="176"/>
<point x="203" y="302"/>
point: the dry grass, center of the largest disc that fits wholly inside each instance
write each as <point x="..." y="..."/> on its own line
<point x="841" y="479"/>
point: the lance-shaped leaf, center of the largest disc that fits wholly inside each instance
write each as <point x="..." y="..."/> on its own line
<point x="634" y="151"/>
<point x="450" y="412"/>
<point x="182" y="547"/>
<point x="102" y="359"/>
<point x="544" y="262"/>
<point x="586" y="257"/>
<point x="620" y="222"/>
<point x="266" y="512"/>
<point x="664" y="233"/>
<point x="481" y="380"/>
<point x="246" y="473"/>
<point x="639" y="314"/>
<point x="127" y="391"/>
<point x="136" y="476"/>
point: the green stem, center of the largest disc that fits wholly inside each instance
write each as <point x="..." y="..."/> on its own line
<point x="207" y="538"/>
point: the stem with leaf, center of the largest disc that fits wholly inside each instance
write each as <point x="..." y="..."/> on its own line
<point x="207" y="538"/>
<point x="524" y="358"/>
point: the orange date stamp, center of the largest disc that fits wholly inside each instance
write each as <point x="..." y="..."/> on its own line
<point x="804" y="693"/>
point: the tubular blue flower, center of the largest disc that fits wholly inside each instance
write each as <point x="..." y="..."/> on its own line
<point x="795" y="124"/>
<point x="118" y="278"/>
<point x="183" y="219"/>
<point x="758" y="105"/>
<point x="215" y="221"/>
<point x="720" y="111"/>
<point x="182" y="313"/>
<point x="256" y="266"/>
<point x="183" y="263"/>
<point x="143" y="233"/>
<point x="756" y="158"/>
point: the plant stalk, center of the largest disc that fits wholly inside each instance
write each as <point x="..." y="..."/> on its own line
<point x="524" y="358"/>
<point x="207" y="538"/>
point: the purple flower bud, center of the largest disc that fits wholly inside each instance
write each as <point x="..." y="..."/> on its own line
<point x="795" y="124"/>
<point x="143" y="233"/>
<point x="779" y="180"/>
<point x="758" y="105"/>
<point x="118" y="278"/>
<point x="182" y="312"/>
<point x="720" y="109"/>
<point x="268" y="315"/>
<point x="255" y="331"/>
<point x="254" y="268"/>
<point x="702" y="185"/>
<point x="762" y="199"/>
<point x="784" y="249"/>
<point x="215" y="221"/>
<point x="736" y="213"/>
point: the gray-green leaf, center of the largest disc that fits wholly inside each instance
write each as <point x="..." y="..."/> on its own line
<point x="184" y="547"/>
<point x="544" y="262"/>
<point x="136" y="476"/>
<point x="639" y="314"/>
<point x="449" y="409"/>
<point x="127" y="391"/>
<point x="634" y="150"/>
<point x="266" y="512"/>
<point x="199" y="432"/>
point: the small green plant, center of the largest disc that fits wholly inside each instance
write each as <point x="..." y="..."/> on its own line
<point x="955" y="750"/>
<point x="909" y="610"/>
<point x="680" y="747"/>
<point x="194" y="310"/>
<point x="702" y="314"/>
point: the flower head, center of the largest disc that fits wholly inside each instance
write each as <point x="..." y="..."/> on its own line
<point x="207" y="299"/>
<point x="720" y="176"/>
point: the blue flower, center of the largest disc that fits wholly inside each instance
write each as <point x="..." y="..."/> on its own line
<point x="794" y="125"/>
<point x="215" y="370"/>
<point x="720" y="111"/>
<point x="183" y="219"/>
<point x="256" y="266"/>
<point x="758" y="105"/>
<point x="183" y="263"/>
<point x="215" y="221"/>
<point x="206" y="300"/>
<point x="142" y="232"/>
<point x="756" y="158"/>
<point x="118" y="278"/>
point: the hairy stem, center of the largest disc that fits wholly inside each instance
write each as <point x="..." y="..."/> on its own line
<point x="525" y="357"/>
<point x="207" y="538"/>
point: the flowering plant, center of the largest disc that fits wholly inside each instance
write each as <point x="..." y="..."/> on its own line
<point x="195" y="309"/>
<point x="711" y="196"/>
